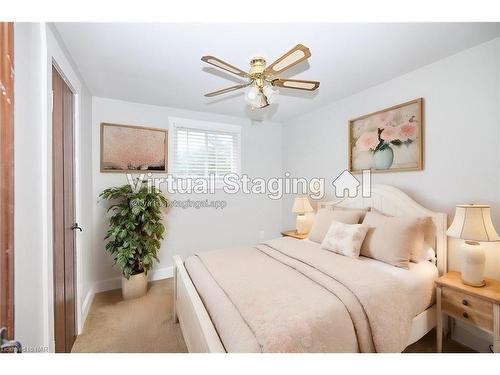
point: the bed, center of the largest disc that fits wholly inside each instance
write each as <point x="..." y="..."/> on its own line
<point x="287" y="295"/>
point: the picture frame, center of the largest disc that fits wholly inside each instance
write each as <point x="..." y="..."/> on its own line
<point x="388" y="140"/>
<point x="121" y="153"/>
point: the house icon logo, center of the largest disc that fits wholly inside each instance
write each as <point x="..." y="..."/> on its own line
<point x="346" y="185"/>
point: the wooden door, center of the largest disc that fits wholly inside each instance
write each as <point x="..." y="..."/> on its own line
<point x="63" y="214"/>
<point x="7" y="179"/>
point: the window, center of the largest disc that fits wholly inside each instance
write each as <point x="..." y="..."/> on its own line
<point x="202" y="149"/>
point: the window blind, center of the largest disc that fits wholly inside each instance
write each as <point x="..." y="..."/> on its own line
<point x="203" y="152"/>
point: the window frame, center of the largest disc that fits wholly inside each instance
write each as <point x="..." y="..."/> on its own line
<point x="177" y="122"/>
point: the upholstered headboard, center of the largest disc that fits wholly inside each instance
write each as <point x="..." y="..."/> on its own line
<point x="392" y="201"/>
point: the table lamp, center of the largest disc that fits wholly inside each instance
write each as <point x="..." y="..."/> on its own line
<point x="472" y="223"/>
<point x="301" y="206"/>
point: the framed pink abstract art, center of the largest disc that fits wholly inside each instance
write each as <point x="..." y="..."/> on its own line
<point x="126" y="148"/>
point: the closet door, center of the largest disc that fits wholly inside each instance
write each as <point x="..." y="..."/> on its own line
<point x="63" y="214"/>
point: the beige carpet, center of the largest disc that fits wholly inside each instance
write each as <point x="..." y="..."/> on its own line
<point x="142" y="325"/>
<point x="145" y="325"/>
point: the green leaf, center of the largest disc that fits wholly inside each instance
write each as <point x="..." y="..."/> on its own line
<point x="408" y="142"/>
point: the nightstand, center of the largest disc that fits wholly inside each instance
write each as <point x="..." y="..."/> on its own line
<point x="479" y="307"/>
<point x="294" y="234"/>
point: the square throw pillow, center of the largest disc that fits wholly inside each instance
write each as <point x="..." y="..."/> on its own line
<point x="344" y="239"/>
<point x="324" y="218"/>
<point x="419" y="254"/>
<point x="391" y="239"/>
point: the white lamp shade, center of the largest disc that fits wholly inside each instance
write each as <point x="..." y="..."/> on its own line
<point x="472" y="222"/>
<point x="301" y="205"/>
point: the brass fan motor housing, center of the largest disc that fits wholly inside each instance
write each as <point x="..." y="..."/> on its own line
<point x="257" y="66"/>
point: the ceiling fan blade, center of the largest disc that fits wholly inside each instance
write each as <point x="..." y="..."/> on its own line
<point x="296" y="84"/>
<point x="296" y="55"/>
<point x="227" y="89"/>
<point x="224" y="65"/>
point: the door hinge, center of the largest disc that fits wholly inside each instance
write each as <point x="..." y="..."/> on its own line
<point x="52" y="101"/>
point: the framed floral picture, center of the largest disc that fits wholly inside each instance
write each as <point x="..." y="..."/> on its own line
<point x="389" y="140"/>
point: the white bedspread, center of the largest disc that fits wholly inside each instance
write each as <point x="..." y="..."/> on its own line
<point x="252" y="293"/>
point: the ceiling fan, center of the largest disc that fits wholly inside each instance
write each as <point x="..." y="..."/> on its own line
<point x="262" y="78"/>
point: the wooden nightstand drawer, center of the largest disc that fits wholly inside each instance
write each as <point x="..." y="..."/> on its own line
<point x="467" y="308"/>
<point x="479" y="307"/>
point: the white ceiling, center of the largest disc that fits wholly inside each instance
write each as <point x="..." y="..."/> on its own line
<point x="160" y="63"/>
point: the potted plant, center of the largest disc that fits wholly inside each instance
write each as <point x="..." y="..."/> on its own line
<point x="134" y="234"/>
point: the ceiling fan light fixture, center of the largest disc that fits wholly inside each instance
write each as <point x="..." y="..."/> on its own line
<point x="261" y="101"/>
<point x="252" y="94"/>
<point x="262" y="80"/>
<point x="272" y="94"/>
<point x="256" y="97"/>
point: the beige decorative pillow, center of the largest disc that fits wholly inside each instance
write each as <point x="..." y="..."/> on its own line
<point x="345" y="239"/>
<point x="324" y="218"/>
<point x="391" y="239"/>
<point x="362" y="211"/>
<point x="429" y="233"/>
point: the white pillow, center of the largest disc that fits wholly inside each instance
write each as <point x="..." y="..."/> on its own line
<point x="428" y="255"/>
<point x="345" y="239"/>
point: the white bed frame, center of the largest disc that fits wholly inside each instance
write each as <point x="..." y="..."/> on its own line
<point x="197" y="328"/>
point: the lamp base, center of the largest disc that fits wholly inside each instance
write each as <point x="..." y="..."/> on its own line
<point x="473" y="259"/>
<point x="302" y="224"/>
<point x="474" y="285"/>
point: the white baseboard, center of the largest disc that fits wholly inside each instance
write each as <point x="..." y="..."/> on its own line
<point x="472" y="337"/>
<point x="115" y="283"/>
<point x="162" y="273"/>
<point x="87" y="302"/>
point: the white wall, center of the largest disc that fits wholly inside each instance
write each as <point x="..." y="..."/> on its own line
<point x="36" y="48"/>
<point x="29" y="52"/>
<point x="461" y="137"/>
<point x="190" y="230"/>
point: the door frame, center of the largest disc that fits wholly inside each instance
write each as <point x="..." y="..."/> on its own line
<point x="56" y="56"/>
<point x="7" y="194"/>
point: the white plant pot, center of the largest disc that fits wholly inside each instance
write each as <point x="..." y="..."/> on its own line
<point x="136" y="286"/>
